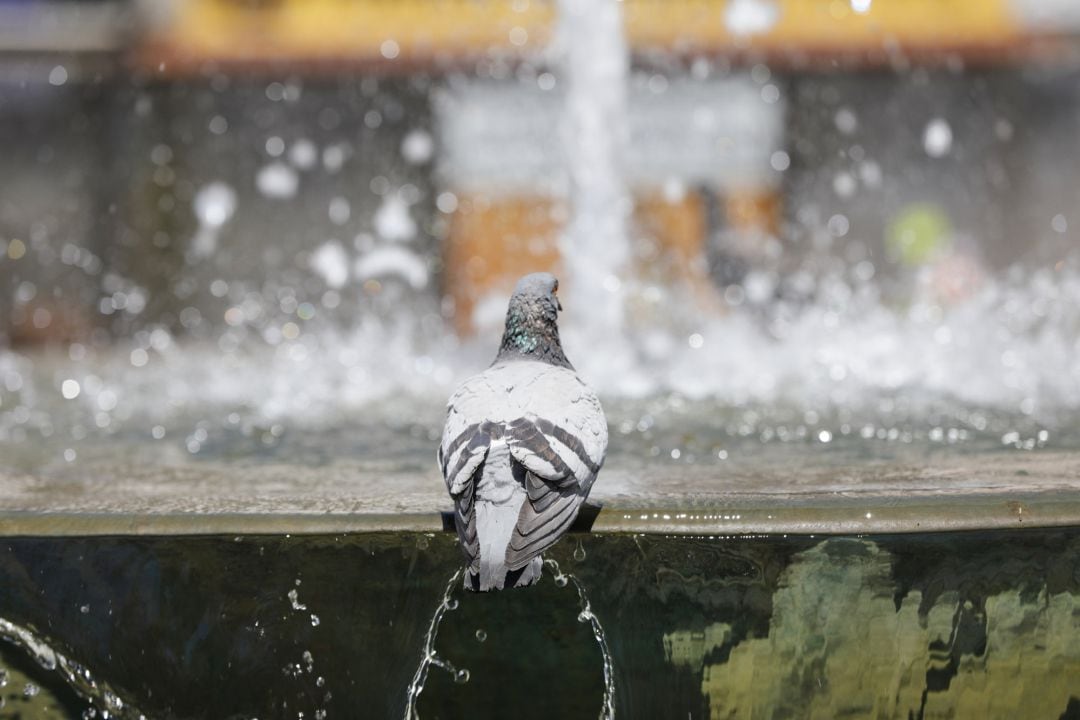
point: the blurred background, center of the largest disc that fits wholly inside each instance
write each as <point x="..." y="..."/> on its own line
<point x="292" y="206"/>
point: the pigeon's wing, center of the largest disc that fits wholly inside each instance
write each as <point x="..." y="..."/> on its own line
<point x="561" y="459"/>
<point x="461" y="458"/>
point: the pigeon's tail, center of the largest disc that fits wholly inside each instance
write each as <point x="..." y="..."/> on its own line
<point x="523" y="577"/>
<point x="495" y="524"/>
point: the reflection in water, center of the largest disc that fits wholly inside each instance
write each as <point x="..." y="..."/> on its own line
<point x="844" y="640"/>
<point x="951" y="625"/>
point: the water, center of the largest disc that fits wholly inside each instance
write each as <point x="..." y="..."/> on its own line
<point x="594" y="61"/>
<point x="326" y="354"/>
<point x="962" y="625"/>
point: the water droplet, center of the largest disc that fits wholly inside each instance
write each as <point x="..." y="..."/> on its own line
<point x="481" y="635"/>
<point x="560" y="580"/>
<point x="461" y="676"/>
<point x="70" y="389"/>
<point x="579" y="553"/>
<point x="452" y="604"/>
<point x="937" y="138"/>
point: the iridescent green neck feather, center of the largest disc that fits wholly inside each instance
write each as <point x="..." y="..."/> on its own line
<point x="532" y="332"/>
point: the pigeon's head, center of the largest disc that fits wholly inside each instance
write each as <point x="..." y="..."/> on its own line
<point x="539" y="287"/>
<point x="532" y="331"/>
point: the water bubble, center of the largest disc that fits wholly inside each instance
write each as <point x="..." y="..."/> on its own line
<point x="937" y="138"/>
<point x="277" y="181"/>
<point x="393" y="221"/>
<point x="418" y="147"/>
<point x="844" y="184"/>
<point x="84" y="609"/>
<point x="481" y="635"/>
<point x="70" y="389"/>
<point x="303" y="154"/>
<point x="451" y="604"/>
<point x="331" y="263"/>
<point x="58" y="76"/>
<point x="560" y="580"/>
<point x="389" y="49"/>
<point x="275" y="146"/>
<point x="30" y="690"/>
<point x="750" y="17"/>
<point x="461" y="676"/>
<point x="846" y="121"/>
<point x="780" y="161"/>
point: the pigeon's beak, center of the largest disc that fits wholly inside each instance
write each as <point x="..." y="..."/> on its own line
<point x="557" y="303"/>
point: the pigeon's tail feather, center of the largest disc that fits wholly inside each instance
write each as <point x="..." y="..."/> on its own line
<point x="522" y="577"/>
<point x="495" y="523"/>
<point x="544" y="517"/>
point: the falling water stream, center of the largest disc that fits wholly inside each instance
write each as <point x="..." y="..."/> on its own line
<point x="101" y="697"/>
<point x="430" y="657"/>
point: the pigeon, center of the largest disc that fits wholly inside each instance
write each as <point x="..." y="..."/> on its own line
<point x="522" y="445"/>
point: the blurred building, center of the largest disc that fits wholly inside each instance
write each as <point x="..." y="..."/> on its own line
<point x="166" y="162"/>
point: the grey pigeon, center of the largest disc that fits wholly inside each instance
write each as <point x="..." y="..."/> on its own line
<point x="522" y="445"/>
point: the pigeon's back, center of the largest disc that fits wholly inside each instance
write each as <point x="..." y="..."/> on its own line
<point x="522" y="445"/>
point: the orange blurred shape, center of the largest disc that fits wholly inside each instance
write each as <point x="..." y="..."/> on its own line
<point x="48" y="323"/>
<point x="491" y="243"/>
<point x="753" y="211"/>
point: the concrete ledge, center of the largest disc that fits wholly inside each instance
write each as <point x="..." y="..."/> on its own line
<point x="951" y="493"/>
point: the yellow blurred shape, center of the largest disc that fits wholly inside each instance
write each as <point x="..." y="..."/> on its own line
<point x="825" y="25"/>
<point x="376" y="30"/>
<point x="428" y="31"/>
<point x="16" y="249"/>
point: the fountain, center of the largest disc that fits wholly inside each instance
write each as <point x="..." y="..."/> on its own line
<point x="819" y="344"/>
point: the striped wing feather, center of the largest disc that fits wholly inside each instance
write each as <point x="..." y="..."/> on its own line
<point x="555" y="491"/>
<point x="460" y="476"/>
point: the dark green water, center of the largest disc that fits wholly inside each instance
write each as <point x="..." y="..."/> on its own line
<point x="952" y="625"/>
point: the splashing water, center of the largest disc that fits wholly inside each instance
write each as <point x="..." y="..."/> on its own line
<point x="607" y="711"/>
<point x="75" y="675"/>
<point x="430" y="657"/>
